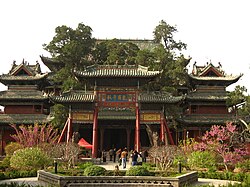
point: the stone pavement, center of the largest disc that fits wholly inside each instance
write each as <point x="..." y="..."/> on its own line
<point x="110" y="165"/>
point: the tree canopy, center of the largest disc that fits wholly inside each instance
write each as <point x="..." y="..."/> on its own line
<point x="73" y="48"/>
<point x="76" y="48"/>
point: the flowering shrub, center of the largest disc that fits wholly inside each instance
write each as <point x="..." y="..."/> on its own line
<point x="224" y="141"/>
<point x="29" y="136"/>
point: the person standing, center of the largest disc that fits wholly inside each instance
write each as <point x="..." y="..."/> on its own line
<point x="134" y="158"/>
<point x="123" y="157"/>
<point x="111" y="154"/>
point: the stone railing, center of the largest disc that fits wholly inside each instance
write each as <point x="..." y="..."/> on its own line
<point x="125" y="181"/>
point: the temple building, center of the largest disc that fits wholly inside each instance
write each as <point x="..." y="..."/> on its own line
<point x="24" y="101"/>
<point x="205" y="103"/>
<point x="114" y="111"/>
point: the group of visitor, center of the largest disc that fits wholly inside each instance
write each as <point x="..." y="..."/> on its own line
<point x="138" y="158"/>
<point x="135" y="158"/>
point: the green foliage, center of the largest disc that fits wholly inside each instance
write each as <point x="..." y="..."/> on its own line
<point x="71" y="47"/>
<point x="115" y="52"/>
<point x="60" y="114"/>
<point x="149" y="166"/>
<point x="29" y="159"/>
<point x="201" y="159"/>
<point x="245" y="109"/>
<point x="84" y="165"/>
<point x="182" y="159"/>
<point x="245" y="165"/>
<point x="15" y="184"/>
<point x="12" y="147"/>
<point x="163" y="33"/>
<point x="94" y="171"/>
<point x="137" y="171"/>
<point x="237" y="96"/>
<point x="12" y="174"/>
<point x="5" y="163"/>
<point x="241" y="177"/>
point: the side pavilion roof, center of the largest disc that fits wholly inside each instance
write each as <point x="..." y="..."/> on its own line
<point x="24" y="118"/>
<point x="212" y="74"/>
<point x="23" y="73"/>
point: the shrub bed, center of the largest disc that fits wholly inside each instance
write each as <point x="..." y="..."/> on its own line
<point x="17" y="174"/>
<point x="241" y="177"/>
<point x="94" y="171"/>
<point x="137" y="171"/>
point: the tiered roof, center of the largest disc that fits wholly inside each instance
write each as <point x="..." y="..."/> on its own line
<point x="24" y="119"/>
<point x="22" y="95"/>
<point x="206" y="119"/>
<point x="212" y="75"/>
<point x="23" y="74"/>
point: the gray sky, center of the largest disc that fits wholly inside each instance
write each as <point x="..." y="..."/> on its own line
<point x="214" y="30"/>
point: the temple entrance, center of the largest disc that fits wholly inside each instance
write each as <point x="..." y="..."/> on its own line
<point x="115" y="138"/>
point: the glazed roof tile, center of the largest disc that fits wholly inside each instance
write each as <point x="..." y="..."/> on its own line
<point x="32" y="69"/>
<point x="206" y="119"/>
<point x="159" y="98"/>
<point x="24" y="118"/>
<point x="200" y="70"/>
<point x="206" y="97"/>
<point x="22" y="78"/>
<point x="74" y="96"/>
<point x="22" y="95"/>
<point x="224" y="78"/>
<point x="116" y="71"/>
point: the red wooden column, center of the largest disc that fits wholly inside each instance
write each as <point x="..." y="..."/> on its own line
<point x="95" y="133"/>
<point x="70" y="130"/>
<point x="162" y="131"/>
<point x="137" y="129"/>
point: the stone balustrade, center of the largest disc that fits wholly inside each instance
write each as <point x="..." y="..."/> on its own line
<point x="125" y="181"/>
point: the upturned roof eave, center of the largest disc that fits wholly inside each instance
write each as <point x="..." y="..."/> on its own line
<point x="52" y="64"/>
<point x="7" y="79"/>
<point x="203" y="122"/>
<point x="225" y="78"/>
<point x="24" y="118"/>
<point x="64" y="99"/>
<point x="208" y="98"/>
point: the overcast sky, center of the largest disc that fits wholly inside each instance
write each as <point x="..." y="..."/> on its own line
<point x="214" y="30"/>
